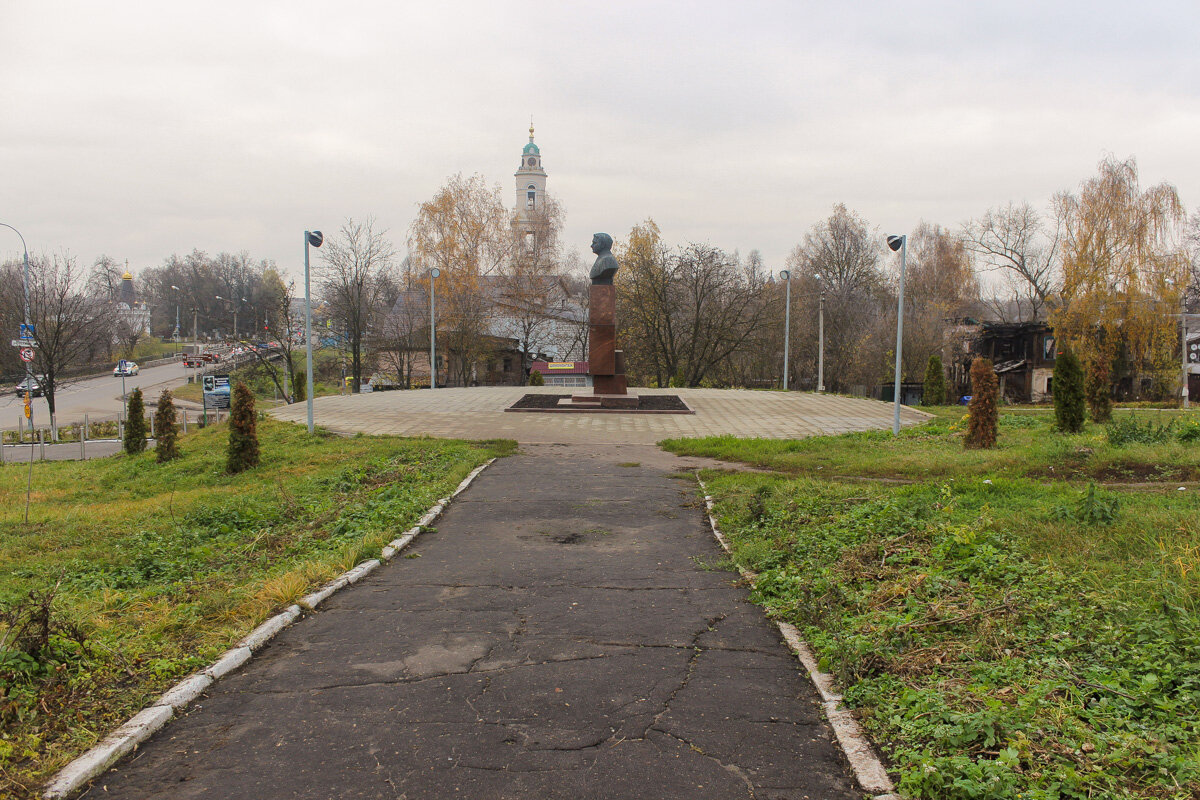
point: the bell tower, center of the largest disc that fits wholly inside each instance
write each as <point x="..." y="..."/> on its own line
<point x="531" y="181"/>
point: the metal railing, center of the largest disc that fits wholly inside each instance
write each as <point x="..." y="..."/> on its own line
<point x="91" y="438"/>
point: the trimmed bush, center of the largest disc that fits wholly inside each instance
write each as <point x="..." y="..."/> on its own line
<point x="243" y="433"/>
<point x="135" y="426"/>
<point x="935" y="383"/>
<point x="536" y="379"/>
<point x="1068" y="393"/>
<point x="1096" y="387"/>
<point x="166" y="429"/>
<point x="983" y="412"/>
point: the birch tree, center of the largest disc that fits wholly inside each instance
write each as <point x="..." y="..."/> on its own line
<point x="464" y="232"/>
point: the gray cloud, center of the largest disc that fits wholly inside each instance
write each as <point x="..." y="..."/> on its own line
<point x="139" y="131"/>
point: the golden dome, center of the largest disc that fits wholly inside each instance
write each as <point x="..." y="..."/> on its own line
<point x="128" y="276"/>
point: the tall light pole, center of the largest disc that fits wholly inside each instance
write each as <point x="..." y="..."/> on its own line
<point x="313" y="238"/>
<point x="821" y="345"/>
<point x="898" y="243"/>
<point x="28" y="364"/>
<point x="175" y="335"/>
<point x="433" y="273"/>
<point x="787" y="324"/>
<point x="28" y="331"/>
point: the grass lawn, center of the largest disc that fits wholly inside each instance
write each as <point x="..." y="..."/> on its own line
<point x="131" y="574"/>
<point x="1022" y="622"/>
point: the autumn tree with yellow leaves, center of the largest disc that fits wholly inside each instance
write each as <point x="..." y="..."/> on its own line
<point x="1123" y="273"/>
<point x="464" y="231"/>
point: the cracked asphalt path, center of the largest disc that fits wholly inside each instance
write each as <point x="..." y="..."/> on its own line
<point x="558" y="637"/>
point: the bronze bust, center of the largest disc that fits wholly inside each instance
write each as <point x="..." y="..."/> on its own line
<point x="606" y="265"/>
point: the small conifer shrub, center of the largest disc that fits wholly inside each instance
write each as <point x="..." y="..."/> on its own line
<point x="536" y="379"/>
<point x="166" y="429"/>
<point x="299" y="386"/>
<point x="1096" y="387"/>
<point x="135" y="426"/>
<point x="935" y="383"/>
<point x="1068" y="393"/>
<point x="983" y="411"/>
<point x="243" y="434"/>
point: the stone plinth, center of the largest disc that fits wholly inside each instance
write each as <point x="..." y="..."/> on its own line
<point x="606" y="364"/>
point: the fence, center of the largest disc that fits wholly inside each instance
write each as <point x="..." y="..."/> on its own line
<point x="106" y="430"/>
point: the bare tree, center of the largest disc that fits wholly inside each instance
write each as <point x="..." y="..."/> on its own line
<point x="104" y="281"/>
<point x="1014" y="243"/>
<point x="12" y="314"/>
<point x="685" y="313"/>
<point x="69" y="322"/>
<point x="403" y="335"/>
<point x="840" y="256"/>
<point x="355" y="282"/>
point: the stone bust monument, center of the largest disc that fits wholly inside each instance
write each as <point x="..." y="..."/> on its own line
<point x="606" y="265"/>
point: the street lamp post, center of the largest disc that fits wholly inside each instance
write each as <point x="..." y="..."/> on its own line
<point x="433" y="273"/>
<point x="28" y="371"/>
<point x="313" y="238"/>
<point x="821" y="345"/>
<point x="787" y="325"/>
<point x="898" y="243"/>
<point x="175" y="335"/>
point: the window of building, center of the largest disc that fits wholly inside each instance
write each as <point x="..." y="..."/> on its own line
<point x="531" y="196"/>
<point x="508" y="365"/>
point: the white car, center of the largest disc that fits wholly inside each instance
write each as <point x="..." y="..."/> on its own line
<point x="125" y="368"/>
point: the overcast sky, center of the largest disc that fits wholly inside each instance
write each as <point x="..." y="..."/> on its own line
<point x="138" y="130"/>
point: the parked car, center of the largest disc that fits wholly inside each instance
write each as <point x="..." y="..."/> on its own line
<point x="125" y="368"/>
<point x="35" y="386"/>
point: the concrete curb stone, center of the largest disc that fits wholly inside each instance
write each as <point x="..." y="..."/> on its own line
<point x="141" y="726"/>
<point x="868" y="769"/>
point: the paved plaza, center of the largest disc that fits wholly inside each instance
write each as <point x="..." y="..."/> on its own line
<point x="478" y="413"/>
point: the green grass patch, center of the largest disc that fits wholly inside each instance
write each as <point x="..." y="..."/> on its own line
<point x="132" y="574"/>
<point x="1028" y="447"/>
<point x="1001" y="632"/>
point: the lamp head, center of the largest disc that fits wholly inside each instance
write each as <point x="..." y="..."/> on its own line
<point x="895" y="243"/>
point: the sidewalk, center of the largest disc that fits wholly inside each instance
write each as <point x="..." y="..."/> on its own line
<point x="557" y="636"/>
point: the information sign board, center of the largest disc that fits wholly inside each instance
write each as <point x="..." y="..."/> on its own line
<point x="216" y="391"/>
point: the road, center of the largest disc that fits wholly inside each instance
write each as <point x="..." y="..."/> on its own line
<point x="98" y="397"/>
